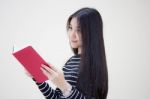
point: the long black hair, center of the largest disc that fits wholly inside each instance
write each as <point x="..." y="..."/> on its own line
<point x="93" y="74"/>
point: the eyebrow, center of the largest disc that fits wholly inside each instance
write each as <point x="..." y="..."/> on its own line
<point x="77" y="26"/>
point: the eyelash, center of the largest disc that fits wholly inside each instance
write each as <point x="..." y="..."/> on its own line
<point x="69" y="27"/>
<point x="78" y="30"/>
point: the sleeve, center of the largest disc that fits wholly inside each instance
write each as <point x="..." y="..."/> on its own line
<point x="50" y="93"/>
<point x="75" y="94"/>
<point x="47" y="91"/>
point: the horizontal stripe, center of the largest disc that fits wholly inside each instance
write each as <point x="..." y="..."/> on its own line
<point x="70" y="70"/>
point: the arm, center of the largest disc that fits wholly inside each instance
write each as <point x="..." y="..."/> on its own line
<point x="74" y="93"/>
<point x="57" y="77"/>
<point x="47" y="91"/>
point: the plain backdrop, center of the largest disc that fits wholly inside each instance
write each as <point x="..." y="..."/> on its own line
<point x="42" y="24"/>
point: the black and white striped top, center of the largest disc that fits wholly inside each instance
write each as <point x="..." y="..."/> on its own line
<point x="70" y="70"/>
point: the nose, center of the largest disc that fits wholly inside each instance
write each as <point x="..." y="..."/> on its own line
<point x="73" y="35"/>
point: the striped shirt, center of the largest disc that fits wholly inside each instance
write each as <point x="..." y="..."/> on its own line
<point x="70" y="70"/>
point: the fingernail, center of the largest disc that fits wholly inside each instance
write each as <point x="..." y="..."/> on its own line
<point x="42" y="65"/>
<point x="41" y="69"/>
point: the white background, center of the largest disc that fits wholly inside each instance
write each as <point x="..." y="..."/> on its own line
<point x="42" y="24"/>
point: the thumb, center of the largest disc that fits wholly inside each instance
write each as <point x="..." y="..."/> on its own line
<point x="28" y="74"/>
<point x="52" y="67"/>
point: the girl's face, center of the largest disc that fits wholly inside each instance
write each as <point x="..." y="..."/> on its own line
<point x="74" y="34"/>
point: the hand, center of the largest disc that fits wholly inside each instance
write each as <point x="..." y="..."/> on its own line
<point x="56" y="76"/>
<point x="28" y="74"/>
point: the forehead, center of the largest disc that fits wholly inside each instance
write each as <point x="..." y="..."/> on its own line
<point x="74" y="22"/>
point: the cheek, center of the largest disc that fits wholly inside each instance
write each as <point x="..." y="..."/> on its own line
<point x="79" y="37"/>
<point x="79" y="41"/>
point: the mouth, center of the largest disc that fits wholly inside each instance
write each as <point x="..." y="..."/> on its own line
<point x="74" y="41"/>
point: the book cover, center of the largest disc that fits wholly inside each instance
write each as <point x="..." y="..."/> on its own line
<point x="31" y="61"/>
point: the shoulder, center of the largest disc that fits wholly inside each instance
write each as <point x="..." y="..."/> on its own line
<point x="73" y="58"/>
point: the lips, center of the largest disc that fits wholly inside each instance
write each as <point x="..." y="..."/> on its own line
<point x="74" y="41"/>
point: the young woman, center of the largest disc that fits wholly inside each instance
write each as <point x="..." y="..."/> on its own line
<point x="84" y="75"/>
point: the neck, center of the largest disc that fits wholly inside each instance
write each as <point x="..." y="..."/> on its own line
<point x="79" y="50"/>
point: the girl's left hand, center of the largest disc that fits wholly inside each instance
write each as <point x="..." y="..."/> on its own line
<point x="56" y="76"/>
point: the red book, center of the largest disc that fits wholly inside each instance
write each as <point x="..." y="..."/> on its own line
<point x="31" y="61"/>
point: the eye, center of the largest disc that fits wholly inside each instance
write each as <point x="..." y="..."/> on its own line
<point x="78" y="30"/>
<point x="69" y="28"/>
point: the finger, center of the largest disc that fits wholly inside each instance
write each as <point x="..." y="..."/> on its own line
<point x="28" y="74"/>
<point x="53" y="67"/>
<point x="49" y="64"/>
<point x="46" y="73"/>
<point x="43" y="68"/>
<point x="48" y="69"/>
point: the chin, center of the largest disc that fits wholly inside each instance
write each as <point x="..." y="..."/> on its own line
<point x="74" y="46"/>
